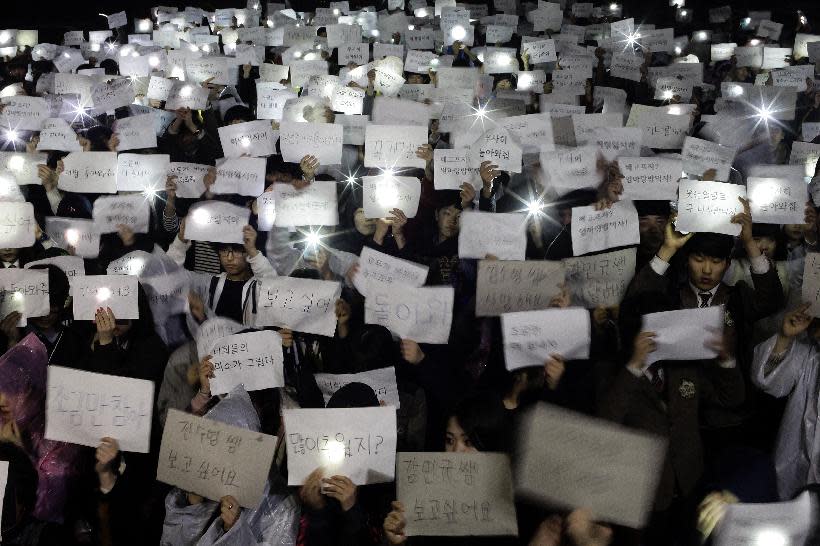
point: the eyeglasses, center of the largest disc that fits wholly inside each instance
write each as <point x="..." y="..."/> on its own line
<point x="230" y="252"/>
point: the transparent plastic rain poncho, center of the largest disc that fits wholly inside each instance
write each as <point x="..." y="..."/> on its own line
<point x="23" y="373"/>
<point x="274" y="522"/>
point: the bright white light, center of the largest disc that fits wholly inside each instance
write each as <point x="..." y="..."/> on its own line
<point x="632" y="39"/>
<point x="335" y="452"/>
<point x="411" y="27"/>
<point x="12" y="135"/>
<point x="736" y="91"/>
<point x="524" y="81"/>
<point x="534" y="207"/>
<point x="126" y="51"/>
<point x="803" y="19"/>
<point x="350" y="179"/>
<point x="206" y="48"/>
<point x="421" y="13"/>
<point x="185" y="92"/>
<point x="178" y="72"/>
<point x="150" y="192"/>
<point x="613" y="7"/>
<point x="17" y="163"/>
<point x="336" y="11"/>
<point x="153" y="61"/>
<point x="144" y="25"/>
<point x="683" y="13"/>
<point x="192" y="47"/>
<point x="771" y="537"/>
<point x="95" y="47"/>
<point x="72" y="236"/>
<point x="66" y="55"/>
<point x="135" y="54"/>
<point x="374" y="33"/>
<point x="675" y="110"/>
<point x="764" y="113"/>
<point x="246" y="142"/>
<point x="313" y="239"/>
<point x="270" y="23"/>
<point x="17" y="296"/>
<point x="5" y="36"/>
<point x="387" y="195"/>
<point x="111" y="47"/>
<point x="754" y="42"/>
<point x="201" y="216"/>
<point x="668" y="94"/>
<point x="746" y="21"/>
<point x="678" y="50"/>
<point x="458" y="32"/>
<point x="764" y="193"/>
<point x="103" y="294"/>
<point x="480" y="112"/>
<point x="297" y="54"/>
<point x="433" y="62"/>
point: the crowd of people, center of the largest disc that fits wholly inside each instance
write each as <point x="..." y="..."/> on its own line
<point x="740" y="426"/>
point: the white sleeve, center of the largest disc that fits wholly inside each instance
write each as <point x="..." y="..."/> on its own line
<point x="177" y="251"/>
<point x="658" y="265"/>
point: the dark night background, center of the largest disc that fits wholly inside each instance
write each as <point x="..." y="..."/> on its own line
<point x="52" y="17"/>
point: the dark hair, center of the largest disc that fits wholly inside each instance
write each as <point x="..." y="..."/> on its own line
<point x="238" y="112"/>
<point x="98" y="136"/>
<point x="446" y="198"/>
<point x="21" y="488"/>
<point x="111" y="67"/>
<point x="353" y="395"/>
<point x="58" y="285"/>
<point x="484" y="420"/>
<point x="713" y="245"/>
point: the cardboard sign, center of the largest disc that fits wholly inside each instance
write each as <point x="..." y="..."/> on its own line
<point x="240" y="175"/>
<point x="456" y="494"/>
<point x="118" y="292"/>
<point x="777" y="201"/>
<point x="392" y="146"/>
<point x="131" y="211"/>
<point x="594" y="464"/>
<point x="510" y="286"/>
<point x="422" y="314"/>
<point x="359" y="443"/>
<point x="502" y="235"/>
<point x="303" y="305"/>
<point x="213" y="459"/>
<point x="216" y="221"/>
<point x="593" y="230"/>
<point x="382" y="269"/>
<point x="72" y="232"/>
<point x="142" y="172"/>
<point x="83" y="407"/>
<point x="251" y="138"/>
<point x="530" y="337"/>
<point x="253" y="360"/>
<point x="705" y="206"/>
<point x="17" y="225"/>
<point x="322" y="140"/>
<point x="89" y="172"/>
<point x="382" y="381"/>
<point x="381" y="194"/>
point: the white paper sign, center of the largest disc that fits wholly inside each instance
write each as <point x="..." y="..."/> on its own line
<point x="805" y="154"/>
<point x="390" y="146"/>
<point x="253" y="360"/>
<point x="24" y="113"/>
<point x="131" y="211"/>
<point x="187" y="95"/>
<point x="72" y="232"/>
<point x="159" y="88"/>
<point x="83" y="407"/>
<point x="142" y="172"/>
<point x="189" y="179"/>
<point x="22" y="167"/>
<point x="684" y="334"/>
<point x="136" y="132"/>
<point x="392" y="111"/>
<point x="17" y="225"/>
<point x="593" y="230"/>
<point x="112" y="95"/>
<point x="785" y="522"/>
<point x="322" y="140"/>
<point x="777" y="201"/>
<point x="530" y="337"/>
<point x="502" y="235"/>
<point x="378" y="268"/>
<point x="348" y="100"/>
<point x="593" y="463"/>
<point x="24" y="291"/>
<point x="117" y="292"/>
<point x="271" y="99"/>
<point x="359" y="443"/>
<point x="314" y="205"/>
<point x="497" y="145"/>
<point x="422" y="314"/>
<point x="240" y="175"/>
<point x="512" y="286"/>
<point x="702" y="155"/>
<point x="58" y="135"/>
<point x="600" y="279"/>
<point x="382" y="381"/>
<point x="650" y="178"/>
<point x="303" y="305"/>
<point x="705" y="206"/>
<point x="353" y="128"/>
<point x="89" y="172"/>
<point x="540" y="51"/>
<point x="381" y="194"/>
<point x="452" y="168"/>
<point x="70" y="265"/>
<point x="253" y="138"/>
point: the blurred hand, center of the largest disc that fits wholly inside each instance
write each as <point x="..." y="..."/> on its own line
<point x="342" y="489"/>
<point x="106" y="322"/>
<point x="311" y="491"/>
<point x="394" y="524"/>
<point x="554" y="371"/>
<point x="411" y="352"/>
<point x="229" y="511"/>
<point x="206" y="372"/>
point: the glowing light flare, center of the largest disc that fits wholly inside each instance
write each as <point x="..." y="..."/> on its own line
<point x="534" y="207"/>
<point x="200" y="216"/>
<point x="5" y="36"/>
<point x="95" y="47"/>
<point x="17" y="297"/>
<point x="458" y="32"/>
<point x="421" y="13"/>
<point x="702" y="36"/>
<point x="153" y="61"/>
<point x="103" y="294"/>
<point x="297" y="54"/>
<point x="334" y="453"/>
<point x="613" y="7"/>
<point x="336" y="12"/>
<point x="411" y="27"/>
<point x="246" y="142"/>
<point x="17" y="163"/>
<point x="678" y="50"/>
<point x="668" y="94"/>
<point x="771" y="537"/>
<point x="754" y="42"/>
<point x="150" y="192"/>
<point x="313" y="239"/>
<point x="144" y="25"/>
<point x="764" y="193"/>
<point x="683" y="13"/>
<point x="11" y="135"/>
<point x="72" y="236"/>
<point x="675" y="110"/>
<point x="387" y="194"/>
<point x="185" y="92"/>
